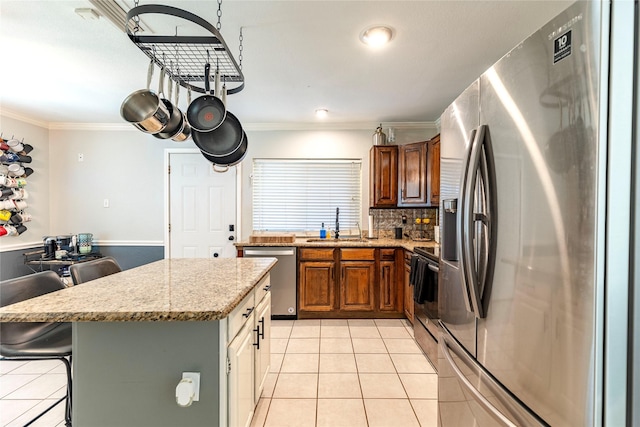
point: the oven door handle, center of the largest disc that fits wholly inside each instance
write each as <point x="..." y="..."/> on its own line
<point x="433" y="268"/>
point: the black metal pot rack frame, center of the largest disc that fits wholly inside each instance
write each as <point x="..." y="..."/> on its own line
<point x="188" y="54"/>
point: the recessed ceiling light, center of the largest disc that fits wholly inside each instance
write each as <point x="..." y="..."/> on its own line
<point x="376" y="36"/>
<point x="321" y="113"/>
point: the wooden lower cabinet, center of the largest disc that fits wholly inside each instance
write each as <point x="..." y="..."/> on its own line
<point x="390" y="293"/>
<point x="316" y="286"/>
<point x="408" y="290"/>
<point x="357" y="280"/>
<point x="350" y="283"/>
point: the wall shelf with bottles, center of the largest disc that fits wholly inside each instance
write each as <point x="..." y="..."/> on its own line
<point x="14" y="156"/>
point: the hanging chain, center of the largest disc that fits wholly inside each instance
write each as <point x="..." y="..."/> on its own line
<point x="218" y="25"/>
<point x="241" y="48"/>
<point x="136" y="19"/>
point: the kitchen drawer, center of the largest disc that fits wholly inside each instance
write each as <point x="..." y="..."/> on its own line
<point x="262" y="288"/>
<point x="357" y="254"/>
<point x="388" y="254"/>
<point x="240" y="314"/>
<point x="317" y="254"/>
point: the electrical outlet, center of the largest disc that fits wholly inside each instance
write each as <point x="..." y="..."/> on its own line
<point x="105" y="203"/>
<point x="195" y="377"/>
<point x="80" y="157"/>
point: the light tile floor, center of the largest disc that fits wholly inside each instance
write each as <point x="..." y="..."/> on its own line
<point x="27" y="388"/>
<point x="347" y="373"/>
<point x="323" y="373"/>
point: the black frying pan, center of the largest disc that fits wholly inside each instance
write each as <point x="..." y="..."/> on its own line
<point x="206" y="112"/>
<point x="223" y="141"/>
<point x="232" y="159"/>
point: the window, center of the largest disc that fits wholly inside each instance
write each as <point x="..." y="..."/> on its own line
<point x="298" y="195"/>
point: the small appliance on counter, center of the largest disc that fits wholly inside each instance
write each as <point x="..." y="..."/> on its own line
<point x="49" y="247"/>
<point x="65" y="246"/>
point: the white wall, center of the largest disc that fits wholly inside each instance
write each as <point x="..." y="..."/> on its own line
<point x="351" y="144"/>
<point x="37" y="184"/>
<point x="126" y="166"/>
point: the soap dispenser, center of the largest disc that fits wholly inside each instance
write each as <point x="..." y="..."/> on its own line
<point x="323" y="232"/>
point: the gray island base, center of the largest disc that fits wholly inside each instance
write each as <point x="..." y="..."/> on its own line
<point x="137" y="331"/>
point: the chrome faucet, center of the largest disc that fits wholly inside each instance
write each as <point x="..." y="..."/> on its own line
<point x="337" y="230"/>
<point x="359" y="230"/>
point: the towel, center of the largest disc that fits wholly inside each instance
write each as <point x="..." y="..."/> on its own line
<point x="423" y="281"/>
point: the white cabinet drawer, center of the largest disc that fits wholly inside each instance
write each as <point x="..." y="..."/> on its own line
<point x="262" y="288"/>
<point x="240" y="314"/>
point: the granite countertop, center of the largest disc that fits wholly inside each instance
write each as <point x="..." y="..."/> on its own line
<point x="303" y="242"/>
<point x="166" y="290"/>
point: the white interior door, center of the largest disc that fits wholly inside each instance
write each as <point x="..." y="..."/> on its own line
<point x="202" y="208"/>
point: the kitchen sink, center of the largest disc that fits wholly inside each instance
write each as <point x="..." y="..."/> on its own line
<point x="340" y="239"/>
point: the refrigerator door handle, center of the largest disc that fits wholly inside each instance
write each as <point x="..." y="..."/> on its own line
<point x="466" y="292"/>
<point x="468" y="256"/>
<point x="479" y="398"/>
<point x="489" y="222"/>
<point x="480" y="227"/>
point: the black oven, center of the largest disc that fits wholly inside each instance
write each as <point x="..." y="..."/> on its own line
<point x="424" y="282"/>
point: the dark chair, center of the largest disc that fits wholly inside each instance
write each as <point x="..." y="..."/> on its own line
<point x="36" y="341"/>
<point x="86" y="271"/>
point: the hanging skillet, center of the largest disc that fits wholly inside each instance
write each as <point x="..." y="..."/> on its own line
<point x="223" y="141"/>
<point x="230" y="160"/>
<point x="206" y="112"/>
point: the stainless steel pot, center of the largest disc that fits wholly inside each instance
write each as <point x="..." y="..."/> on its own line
<point x="175" y="115"/>
<point x="145" y="110"/>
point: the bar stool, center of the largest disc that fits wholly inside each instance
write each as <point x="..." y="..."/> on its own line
<point x="25" y="341"/>
<point x="86" y="271"/>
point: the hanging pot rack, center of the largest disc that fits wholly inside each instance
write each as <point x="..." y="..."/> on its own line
<point x="184" y="57"/>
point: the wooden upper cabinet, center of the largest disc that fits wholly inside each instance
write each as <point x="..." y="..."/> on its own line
<point x="383" y="176"/>
<point x="434" y="163"/>
<point x="412" y="161"/>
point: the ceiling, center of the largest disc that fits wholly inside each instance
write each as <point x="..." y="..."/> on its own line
<point x="297" y="56"/>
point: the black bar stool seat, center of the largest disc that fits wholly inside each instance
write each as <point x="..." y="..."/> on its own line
<point x="23" y="341"/>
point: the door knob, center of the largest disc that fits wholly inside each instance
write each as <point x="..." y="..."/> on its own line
<point x="231" y="238"/>
<point x="215" y="255"/>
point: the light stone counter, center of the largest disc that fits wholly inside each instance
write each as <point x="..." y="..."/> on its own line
<point x="165" y="290"/>
<point x="303" y="242"/>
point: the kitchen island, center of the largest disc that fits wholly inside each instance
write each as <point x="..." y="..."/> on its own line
<point x="137" y="331"/>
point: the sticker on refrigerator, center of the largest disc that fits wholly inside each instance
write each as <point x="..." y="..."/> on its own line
<point x="562" y="47"/>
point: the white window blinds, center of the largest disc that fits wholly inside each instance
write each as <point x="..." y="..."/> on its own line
<point x="299" y="195"/>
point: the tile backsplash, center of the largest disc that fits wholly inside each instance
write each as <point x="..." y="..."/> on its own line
<point x="386" y="220"/>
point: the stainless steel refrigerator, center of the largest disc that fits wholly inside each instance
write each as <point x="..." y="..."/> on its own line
<point x="522" y="182"/>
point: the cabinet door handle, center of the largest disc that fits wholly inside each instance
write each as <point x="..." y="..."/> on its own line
<point x="266" y="288"/>
<point x="261" y="334"/>
<point x="257" y="343"/>
<point x="332" y="275"/>
<point x="248" y="313"/>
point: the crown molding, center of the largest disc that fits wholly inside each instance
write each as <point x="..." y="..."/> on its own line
<point x="20" y="117"/>
<point x="302" y="126"/>
<point x="91" y="126"/>
<point x="254" y="127"/>
<point x="260" y="127"/>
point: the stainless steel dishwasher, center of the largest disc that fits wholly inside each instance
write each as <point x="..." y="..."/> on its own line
<point x="284" y="298"/>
